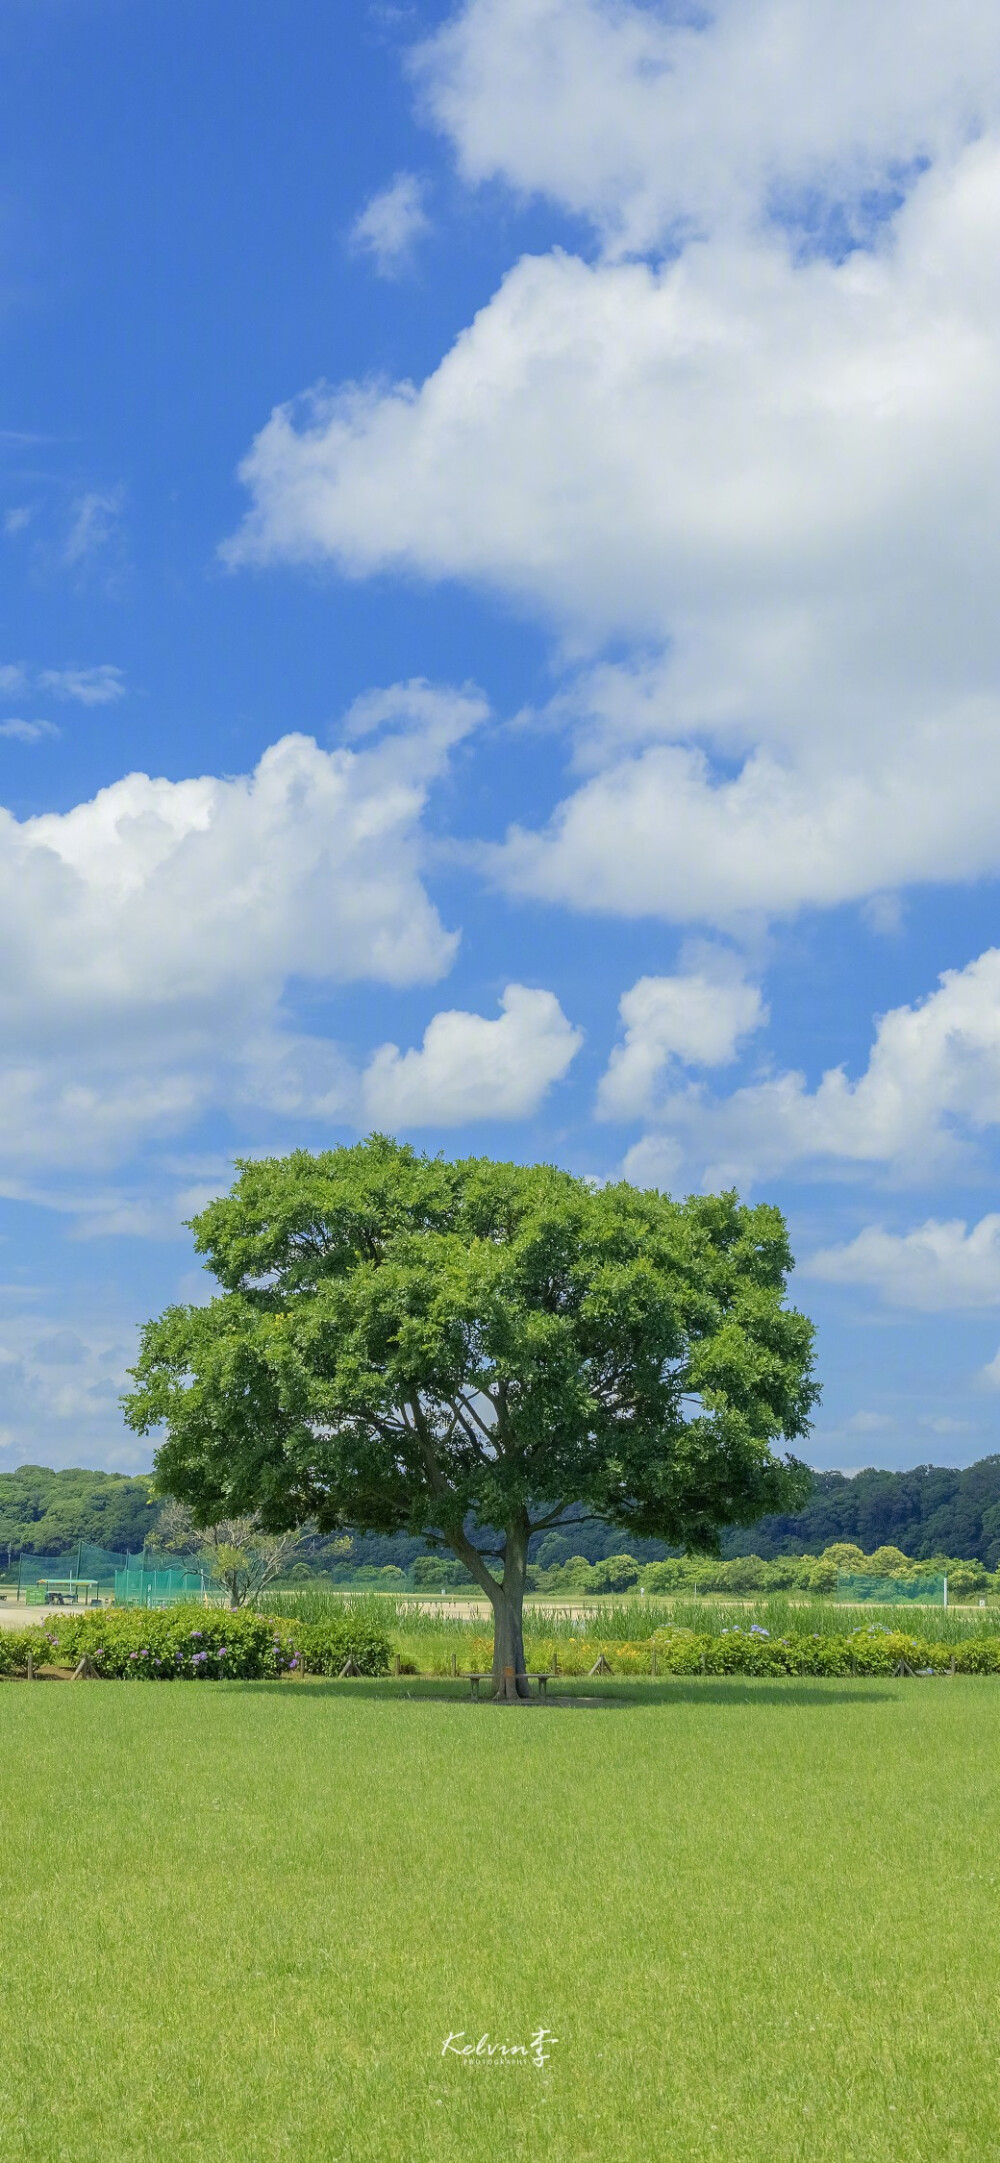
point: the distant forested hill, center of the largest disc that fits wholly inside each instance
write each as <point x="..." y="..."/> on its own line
<point x="47" y="1513"/>
<point x="933" y="1510"/>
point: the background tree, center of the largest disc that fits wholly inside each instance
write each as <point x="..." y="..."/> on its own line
<point x="235" y="1552"/>
<point x="405" y="1344"/>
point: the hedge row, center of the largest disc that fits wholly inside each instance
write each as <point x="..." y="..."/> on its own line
<point x="197" y="1644"/>
<point x="868" y="1651"/>
<point x="204" y="1644"/>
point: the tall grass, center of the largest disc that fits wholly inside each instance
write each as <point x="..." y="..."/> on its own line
<point x="631" y="1621"/>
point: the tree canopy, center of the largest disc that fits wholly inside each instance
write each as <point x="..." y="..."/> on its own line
<point x="404" y="1344"/>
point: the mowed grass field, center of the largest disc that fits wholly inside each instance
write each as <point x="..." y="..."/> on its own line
<point x="760" y="1918"/>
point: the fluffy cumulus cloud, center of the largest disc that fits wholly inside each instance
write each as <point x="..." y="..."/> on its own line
<point x="696" y="1019"/>
<point x="391" y="224"/>
<point x="651" y="120"/>
<point x="937" y="1266"/>
<point x="762" y="456"/>
<point x="470" y="1068"/>
<point x="151" y="932"/>
<point x="931" y="1086"/>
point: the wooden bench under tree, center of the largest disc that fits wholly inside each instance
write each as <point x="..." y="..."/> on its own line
<point x="542" y="1680"/>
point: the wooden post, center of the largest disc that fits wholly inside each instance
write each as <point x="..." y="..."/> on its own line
<point x="652" y="1659"/>
<point x="454" y="1663"/>
<point x="555" y="1661"/>
<point x="951" y="1665"/>
<point x="31" y="1668"/>
<point x="395" y="1663"/>
<point x="703" y="1663"/>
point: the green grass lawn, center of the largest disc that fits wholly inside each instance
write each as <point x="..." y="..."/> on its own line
<point x="240" y="1920"/>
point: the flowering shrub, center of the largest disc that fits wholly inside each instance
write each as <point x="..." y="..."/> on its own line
<point x="205" y="1644"/>
<point x="199" y="1644"/>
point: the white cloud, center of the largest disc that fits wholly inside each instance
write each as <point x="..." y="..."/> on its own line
<point x="150" y="933"/>
<point x="650" y="120"/>
<point x="654" y="1162"/>
<point x="391" y="224"/>
<point x="990" y="1374"/>
<point x="696" y="1019"/>
<point x="937" y="1267"/>
<point x="772" y="469"/>
<point x="15" y="520"/>
<point x="61" y="1382"/>
<point x="931" y="1085"/>
<point x="28" y="732"/>
<point x="89" y="686"/>
<point x="13" y="679"/>
<point x="869" y="1422"/>
<point x="469" y="1068"/>
<point x="94" y="519"/>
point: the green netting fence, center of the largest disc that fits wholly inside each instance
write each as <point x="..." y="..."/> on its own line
<point x="83" y="1570"/>
<point x="139" y="1586"/>
<point x="891" y="1591"/>
<point x="85" y="1573"/>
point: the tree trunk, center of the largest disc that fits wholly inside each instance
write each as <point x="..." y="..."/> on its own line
<point x="510" y="1685"/>
<point x="509" y="1680"/>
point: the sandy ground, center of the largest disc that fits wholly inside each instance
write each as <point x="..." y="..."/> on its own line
<point x="14" y="1615"/>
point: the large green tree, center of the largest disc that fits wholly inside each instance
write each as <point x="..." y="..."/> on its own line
<point x="406" y="1344"/>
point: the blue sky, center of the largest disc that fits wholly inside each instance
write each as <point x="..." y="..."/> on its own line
<point x="499" y="642"/>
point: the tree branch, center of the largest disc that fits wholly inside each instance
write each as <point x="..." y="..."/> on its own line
<point x="556" y="1518"/>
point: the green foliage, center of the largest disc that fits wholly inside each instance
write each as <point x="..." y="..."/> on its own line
<point x="200" y="1644"/>
<point x="615" y="1575"/>
<point x="406" y="1344"/>
<point x="924" y="1512"/>
<point x="433" y="1572"/>
<point x="49" y="1513"/>
<point x="967" y="1578"/>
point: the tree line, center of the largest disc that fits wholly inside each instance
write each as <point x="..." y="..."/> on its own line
<point x="927" y="1513"/>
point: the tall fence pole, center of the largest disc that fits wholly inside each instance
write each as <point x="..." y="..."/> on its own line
<point x="946" y="1592"/>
